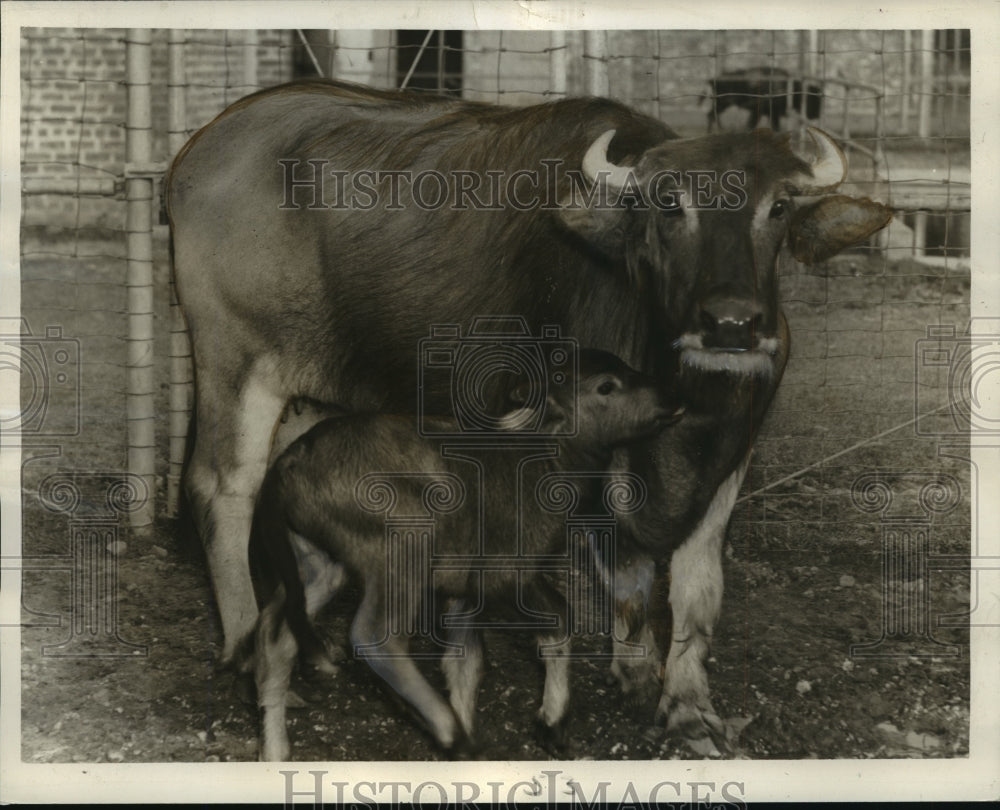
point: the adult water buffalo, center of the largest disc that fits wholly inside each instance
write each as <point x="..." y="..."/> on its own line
<point x="763" y="91"/>
<point x="320" y="231"/>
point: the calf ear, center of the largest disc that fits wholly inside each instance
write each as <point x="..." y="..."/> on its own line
<point x="519" y="396"/>
<point x="555" y="413"/>
<point x="824" y="228"/>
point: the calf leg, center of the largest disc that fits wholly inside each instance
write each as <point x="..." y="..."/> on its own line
<point x="462" y="664"/>
<point x="275" y="657"/>
<point x="321" y="578"/>
<point x="235" y="423"/>
<point x="552" y="715"/>
<point x="388" y="656"/>
<point x="554" y="648"/>
<point x="695" y="601"/>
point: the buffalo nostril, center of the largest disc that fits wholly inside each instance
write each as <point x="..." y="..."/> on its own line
<point x="730" y="322"/>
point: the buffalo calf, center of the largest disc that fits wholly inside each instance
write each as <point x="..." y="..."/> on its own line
<point x="308" y="523"/>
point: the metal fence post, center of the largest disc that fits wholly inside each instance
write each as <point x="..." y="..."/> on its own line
<point x="250" y="41"/>
<point x="140" y="406"/>
<point x="595" y="56"/>
<point x="926" y="82"/>
<point x="557" y="63"/>
<point x="904" y="90"/>
<point x="181" y="369"/>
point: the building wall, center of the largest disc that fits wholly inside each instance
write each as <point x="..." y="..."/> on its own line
<point x="73" y="109"/>
<point x="74" y="94"/>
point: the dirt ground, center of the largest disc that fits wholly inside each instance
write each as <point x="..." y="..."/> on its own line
<point x="781" y="659"/>
<point x="803" y="571"/>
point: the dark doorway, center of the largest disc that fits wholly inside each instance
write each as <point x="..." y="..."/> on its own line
<point x="438" y="65"/>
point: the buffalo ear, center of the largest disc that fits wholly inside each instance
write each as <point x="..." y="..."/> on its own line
<point x="602" y="226"/>
<point x="826" y="227"/>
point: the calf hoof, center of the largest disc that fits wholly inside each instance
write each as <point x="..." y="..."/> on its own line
<point x="552" y="738"/>
<point x="464" y="749"/>
<point x="319" y="663"/>
<point x="293" y="700"/>
<point x="639" y="683"/>
<point x="637" y="702"/>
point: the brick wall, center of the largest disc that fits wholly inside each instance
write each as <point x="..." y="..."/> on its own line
<point x="72" y="121"/>
<point x="73" y="110"/>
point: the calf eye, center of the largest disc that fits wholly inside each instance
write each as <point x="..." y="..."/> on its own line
<point x="606" y="388"/>
<point x="671" y="206"/>
<point x="779" y="209"/>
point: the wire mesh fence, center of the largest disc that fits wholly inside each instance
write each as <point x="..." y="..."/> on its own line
<point x="898" y="100"/>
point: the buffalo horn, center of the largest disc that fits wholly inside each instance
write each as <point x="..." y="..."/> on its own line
<point x="829" y="167"/>
<point x="596" y="161"/>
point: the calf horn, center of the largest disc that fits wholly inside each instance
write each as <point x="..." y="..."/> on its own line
<point x="829" y="167"/>
<point x="595" y="161"/>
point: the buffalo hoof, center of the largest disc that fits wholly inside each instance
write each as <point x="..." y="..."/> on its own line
<point x="274" y="751"/>
<point x="703" y="731"/>
<point x="699" y="727"/>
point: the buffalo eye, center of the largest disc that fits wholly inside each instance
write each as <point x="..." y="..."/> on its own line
<point x="779" y="209"/>
<point x="606" y="387"/>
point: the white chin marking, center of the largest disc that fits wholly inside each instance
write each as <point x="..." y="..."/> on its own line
<point x="758" y="361"/>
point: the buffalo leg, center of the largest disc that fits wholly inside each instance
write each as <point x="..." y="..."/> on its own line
<point x="637" y="657"/>
<point x="695" y="601"/>
<point x="388" y="655"/>
<point x="234" y="429"/>
<point x="713" y="115"/>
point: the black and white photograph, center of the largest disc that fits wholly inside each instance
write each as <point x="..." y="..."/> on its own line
<point x="499" y="402"/>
